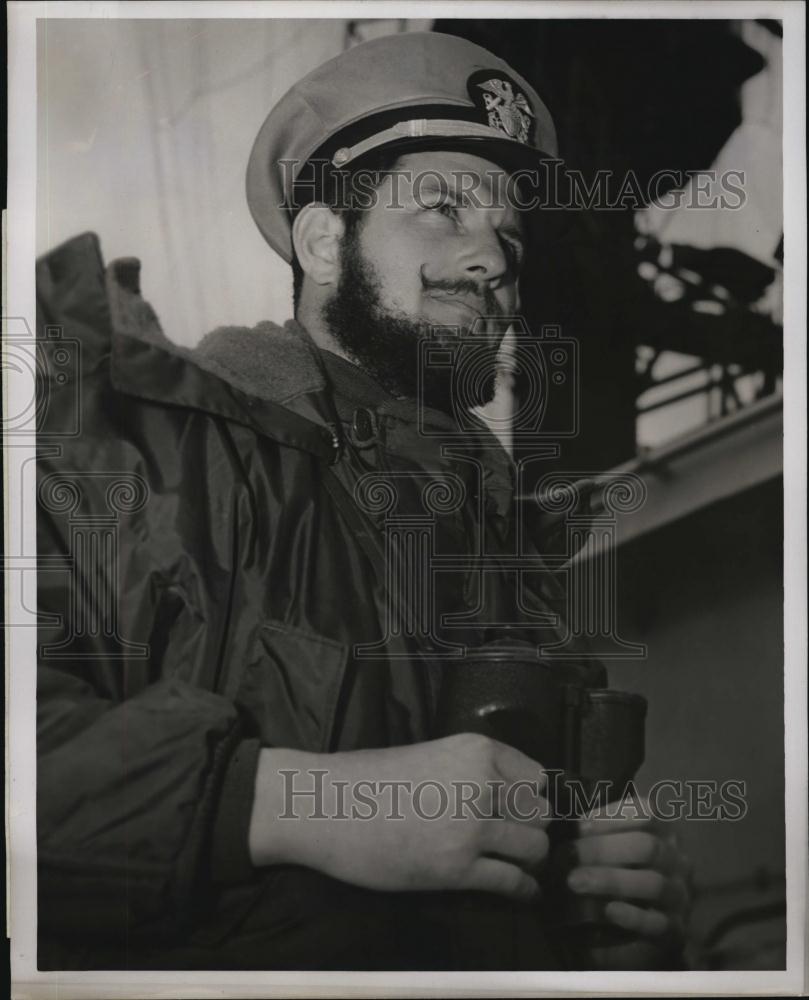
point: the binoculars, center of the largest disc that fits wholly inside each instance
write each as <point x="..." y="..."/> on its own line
<point x="562" y="714"/>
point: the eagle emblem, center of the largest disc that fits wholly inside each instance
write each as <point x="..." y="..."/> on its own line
<point x="507" y="108"/>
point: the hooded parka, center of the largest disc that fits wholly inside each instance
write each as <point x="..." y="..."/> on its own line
<point x="214" y="530"/>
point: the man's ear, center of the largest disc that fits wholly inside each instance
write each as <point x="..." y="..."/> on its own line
<point x="316" y="234"/>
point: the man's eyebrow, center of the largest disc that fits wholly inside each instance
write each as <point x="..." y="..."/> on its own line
<point x="437" y="182"/>
<point x="449" y="185"/>
<point x="452" y="184"/>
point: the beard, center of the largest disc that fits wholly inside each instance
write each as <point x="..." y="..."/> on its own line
<point x="385" y="343"/>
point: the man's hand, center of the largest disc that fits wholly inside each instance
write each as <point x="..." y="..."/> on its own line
<point x="634" y="863"/>
<point x="462" y="848"/>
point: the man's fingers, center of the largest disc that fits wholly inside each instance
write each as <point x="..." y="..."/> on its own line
<point x="603" y="821"/>
<point x="629" y="883"/>
<point x="514" y="766"/>
<point x="522" y="803"/>
<point x="501" y="877"/>
<point x="639" y="848"/>
<point x="646" y="923"/>
<point x="520" y="842"/>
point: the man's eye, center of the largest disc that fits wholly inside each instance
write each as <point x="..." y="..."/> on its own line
<point x="444" y="208"/>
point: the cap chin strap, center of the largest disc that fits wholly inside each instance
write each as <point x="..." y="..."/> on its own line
<point x="418" y="128"/>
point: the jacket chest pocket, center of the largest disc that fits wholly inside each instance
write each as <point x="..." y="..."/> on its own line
<point x="291" y="686"/>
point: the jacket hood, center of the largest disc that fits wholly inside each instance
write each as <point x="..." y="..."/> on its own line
<point x="267" y="377"/>
<point x="274" y="363"/>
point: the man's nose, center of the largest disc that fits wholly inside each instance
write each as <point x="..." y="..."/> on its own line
<point x="483" y="257"/>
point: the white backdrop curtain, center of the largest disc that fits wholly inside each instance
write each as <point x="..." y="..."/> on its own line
<point x="145" y="127"/>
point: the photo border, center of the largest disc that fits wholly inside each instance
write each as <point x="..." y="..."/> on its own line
<point x="19" y="304"/>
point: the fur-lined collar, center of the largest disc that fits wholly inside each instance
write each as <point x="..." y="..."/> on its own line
<point x="277" y="363"/>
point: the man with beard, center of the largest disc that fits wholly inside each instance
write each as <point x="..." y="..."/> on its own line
<point x="239" y="769"/>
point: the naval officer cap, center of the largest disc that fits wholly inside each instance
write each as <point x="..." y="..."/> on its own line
<point x="403" y="92"/>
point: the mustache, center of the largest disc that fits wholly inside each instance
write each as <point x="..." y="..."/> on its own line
<point x="464" y="286"/>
